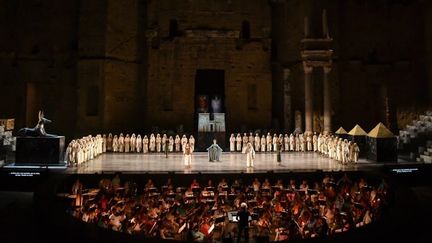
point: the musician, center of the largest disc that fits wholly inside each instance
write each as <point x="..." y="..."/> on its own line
<point x="77" y="187"/>
<point x="222" y="184"/>
<point x="195" y="184"/>
<point x="149" y="185"/>
<point x="243" y="222"/>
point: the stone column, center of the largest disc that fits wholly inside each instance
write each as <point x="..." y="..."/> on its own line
<point x="327" y="101"/>
<point x="287" y="99"/>
<point x="308" y="99"/>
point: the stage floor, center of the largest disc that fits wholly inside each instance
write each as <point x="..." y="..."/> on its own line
<point x="230" y="163"/>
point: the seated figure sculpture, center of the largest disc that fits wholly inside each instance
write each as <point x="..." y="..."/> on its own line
<point x="38" y="130"/>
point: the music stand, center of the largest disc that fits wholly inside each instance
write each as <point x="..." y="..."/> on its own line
<point x="219" y="219"/>
<point x="196" y="189"/>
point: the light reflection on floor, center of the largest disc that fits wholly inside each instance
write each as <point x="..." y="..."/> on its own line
<point x="230" y="163"/>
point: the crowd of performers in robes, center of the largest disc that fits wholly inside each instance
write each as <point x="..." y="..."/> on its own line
<point x="331" y="146"/>
<point x="279" y="210"/>
<point x="86" y="148"/>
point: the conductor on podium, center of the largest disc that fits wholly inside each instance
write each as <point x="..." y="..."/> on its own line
<point x="243" y="222"/>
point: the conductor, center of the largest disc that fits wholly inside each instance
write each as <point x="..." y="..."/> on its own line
<point x="243" y="222"/>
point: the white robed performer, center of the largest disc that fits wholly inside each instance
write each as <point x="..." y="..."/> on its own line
<point x="187" y="152"/>
<point x="104" y="143"/>
<point x="164" y="141"/>
<point x="192" y="143"/>
<point x="158" y="143"/>
<point x="355" y="152"/>
<point x="152" y="144"/>
<point x="115" y="144"/>
<point x="133" y="143"/>
<point x="244" y="140"/>
<point x="292" y="142"/>
<point x="250" y="155"/>
<point x="127" y="143"/>
<point x="109" y="142"/>
<point x="309" y="142"/>
<point x="170" y="144"/>
<point x="69" y="153"/>
<point x="232" y="143"/>
<point x="274" y="142"/>
<point x="121" y="143"/>
<point x="138" y="144"/>
<point x="315" y="142"/>
<point x="257" y="141"/>
<point x="184" y="141"/>
<point x="251" y="139"/>
<point x="319" y="141"/>
<point x="145" y="144"/>
<point x="263" y="143"/>
<point x="177" y="143"/>
<point x="297" y="143"/>
<point x="238" y="142"/>
<point x="269" y="142"/>
<point x="302" y="142"/>
<point x="286" y="142"/>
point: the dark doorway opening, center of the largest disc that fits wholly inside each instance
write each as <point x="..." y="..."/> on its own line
<point x="209" y="85"/>
<point x="209" y="98"/>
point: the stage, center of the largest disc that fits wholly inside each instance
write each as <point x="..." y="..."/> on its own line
<point x="230" y="163"/>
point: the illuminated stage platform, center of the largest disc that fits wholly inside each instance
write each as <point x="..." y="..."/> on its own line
<point x="230" y="163"/>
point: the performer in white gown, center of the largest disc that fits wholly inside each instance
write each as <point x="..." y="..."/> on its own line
<point x="187" y="152"/>
<point x="127" y="143"/>
<point x="244" y="140"/>
<point x="269" y="142"/>
<point x="121" y="143"/>
<point x="274" y="142"/>
<point x="145" y="144"/>
<point x="355" y="150"/>
<point x="257" y="141"/>
<point x="302" y="142"/>
<point x="238" y="142"/>
<point x="286" y="142"/>
<point x="315" y="142"/>
<point x="109" y="142"/>
<point x="263" y="143"/>
<point x="192" y="143"/>
<point x="292" y="142"/>
<point x="139" y="144"/>
<point x="250" y="155"/>
<point x="158" y="143"/>
<point x="251" y="140"/>
<point x="309" y="142"/>
<point x="177" y="141"/>
<point x="152" y="143"/>
<point x="133" y="143"/>
<point x="171" y="144"/>
<point x="164" y="141"/>
<point x="184" y="141"/>
<point x="297" y="143"/>
<point x="232" y="142"/>
<point x="104" y="143"/>
<point x="115" y="144"/>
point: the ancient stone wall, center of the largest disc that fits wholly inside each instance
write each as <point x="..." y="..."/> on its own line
<point x="106" y="65"/>
<point x="208" y="38"/>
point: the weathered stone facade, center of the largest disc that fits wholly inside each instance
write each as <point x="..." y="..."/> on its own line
<point x="209" y="37"/>
<point x="130" y="65"/>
